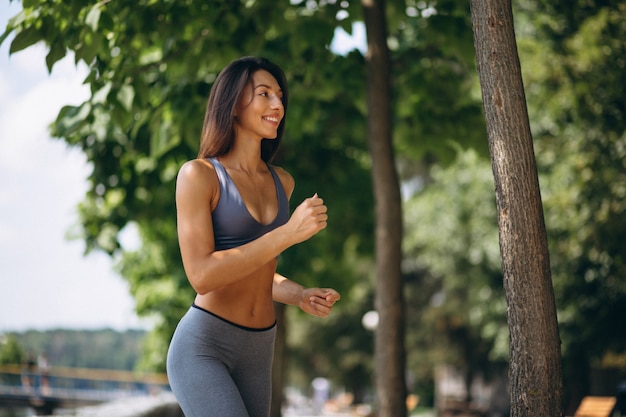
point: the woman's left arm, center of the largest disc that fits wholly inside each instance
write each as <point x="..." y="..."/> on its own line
<point x="314" y="301"/>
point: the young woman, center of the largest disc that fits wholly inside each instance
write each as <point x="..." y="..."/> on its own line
<point x="233" y="223"/>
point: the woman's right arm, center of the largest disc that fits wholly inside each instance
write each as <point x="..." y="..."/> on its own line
<point x="197" y="192"/>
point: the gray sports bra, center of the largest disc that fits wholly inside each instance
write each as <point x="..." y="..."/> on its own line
<point x="233" y="225"/>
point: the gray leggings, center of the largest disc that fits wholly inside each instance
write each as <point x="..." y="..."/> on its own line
<point x="219" y="369"/>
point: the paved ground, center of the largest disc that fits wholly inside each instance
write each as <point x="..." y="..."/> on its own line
<point x="304" y="412"/>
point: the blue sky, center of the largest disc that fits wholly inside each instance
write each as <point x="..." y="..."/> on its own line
<point x="45" y="280"/>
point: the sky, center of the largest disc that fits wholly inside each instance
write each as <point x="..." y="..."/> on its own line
<point x="46" y="281"/>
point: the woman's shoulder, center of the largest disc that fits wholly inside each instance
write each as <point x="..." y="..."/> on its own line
<point x="199" y="174"/>
<point x="286" y="179"/>
<point x="196" y="168"/>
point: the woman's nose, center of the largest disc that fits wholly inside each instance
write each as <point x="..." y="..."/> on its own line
<point x="276" y="102"/>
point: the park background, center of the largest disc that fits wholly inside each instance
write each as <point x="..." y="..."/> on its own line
<point x="141" y="120"/>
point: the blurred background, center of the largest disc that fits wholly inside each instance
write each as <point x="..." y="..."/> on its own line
<point x="101" y="103"/>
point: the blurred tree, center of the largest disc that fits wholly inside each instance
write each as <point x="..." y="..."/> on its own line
<point x="535" y="355"/>
<point x="571" y="150"/>
<point x="574" y="62"/>
<point x="11" y="351"/>
<point x="454" y="278"/>
<point x="104" y="349"/>
<point x="345" y="356"/>
<point x="570" y="57"/>
<point x="439" y="40"/>
<point x="389" y="348"/>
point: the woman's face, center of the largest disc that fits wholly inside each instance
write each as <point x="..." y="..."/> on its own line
<point x="260" y="109"/>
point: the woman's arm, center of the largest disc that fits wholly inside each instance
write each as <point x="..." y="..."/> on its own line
<point x="315" y="301"/>
<point x="197" y="193"/>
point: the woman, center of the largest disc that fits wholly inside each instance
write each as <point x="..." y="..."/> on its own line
<point x="233" y="223"/>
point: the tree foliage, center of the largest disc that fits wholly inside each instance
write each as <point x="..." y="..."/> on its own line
<point x="11" y="351"/>
<point x="580" y="122"/>
<point x="582" y="95"/>
<point x="97" y="349"/>
<point x="572" y="63"/>
<point x="151" y="66"/>
<point x="453" y="269"/>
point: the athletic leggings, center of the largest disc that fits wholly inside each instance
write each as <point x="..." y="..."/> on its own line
<point x="220" y="369"/>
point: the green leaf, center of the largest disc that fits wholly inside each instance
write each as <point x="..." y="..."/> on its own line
<point x="102" y="94"/>
<point x="70" y="119"/>
<point x="18" y="19"/>
<point x="24" y="38"/>
<point x="162" y="140"/>
<point x="57" y="51"/>
<point x="14" y="22"/>
<point x="93" y="17"/>
<point x="29" y="3"/>
<point x="89" y="48"/>
<point x="126" y="95"/>
<point x="5" y="35"/>
<point x="150" y="55"/>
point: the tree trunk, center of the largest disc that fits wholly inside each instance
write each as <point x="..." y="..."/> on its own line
<point x="389" y="302"/>
<point x="535" y="358"/>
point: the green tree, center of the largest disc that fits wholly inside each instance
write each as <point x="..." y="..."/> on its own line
<point x="103" y="349"/>
<point x="454" y="278"/>
<point x="442" y="89"/>
<point x="451" y="222"/>
<point x="570" y="57"/>
<point x="575" y="77"/>
<point x="11" y="351"/>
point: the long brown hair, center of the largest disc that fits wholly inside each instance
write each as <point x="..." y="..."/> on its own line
<point x="218" y="131"/>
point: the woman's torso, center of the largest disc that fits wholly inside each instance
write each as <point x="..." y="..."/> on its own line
<point x="248" y="301"/>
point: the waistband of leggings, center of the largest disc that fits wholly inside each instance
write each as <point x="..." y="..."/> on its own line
<point x="250" y="329"/>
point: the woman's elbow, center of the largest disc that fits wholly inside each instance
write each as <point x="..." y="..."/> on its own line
<point x="199" y="282"/>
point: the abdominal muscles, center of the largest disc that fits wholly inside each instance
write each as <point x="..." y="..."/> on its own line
<point x="246" y="302"/>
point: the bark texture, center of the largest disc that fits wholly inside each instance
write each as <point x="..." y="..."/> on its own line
<point x="535" y="357"/>
<point x="389" y="302"/>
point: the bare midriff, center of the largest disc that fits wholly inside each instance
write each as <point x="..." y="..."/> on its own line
<point x="247" y="302"/>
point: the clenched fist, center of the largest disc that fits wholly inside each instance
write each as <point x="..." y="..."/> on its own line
<point x="308" y="218"/>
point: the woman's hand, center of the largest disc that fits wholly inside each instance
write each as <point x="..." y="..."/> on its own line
<point x="318" y="301"/>
<point x="308" y="218"/>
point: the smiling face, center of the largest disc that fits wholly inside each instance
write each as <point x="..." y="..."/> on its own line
<point x="260" y="109"/>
